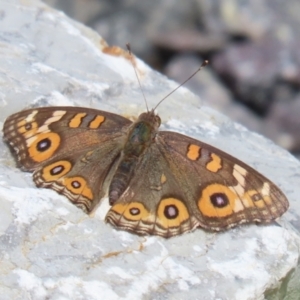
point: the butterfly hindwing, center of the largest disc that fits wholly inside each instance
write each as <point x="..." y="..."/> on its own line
<point x="154" y="202"/>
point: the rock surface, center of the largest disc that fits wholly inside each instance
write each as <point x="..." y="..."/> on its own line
<point x="52" y="250"/>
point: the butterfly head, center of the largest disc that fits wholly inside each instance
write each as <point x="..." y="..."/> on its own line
<point x="150" y="118"/>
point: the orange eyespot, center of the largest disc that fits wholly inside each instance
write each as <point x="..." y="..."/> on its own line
<point x="133" y="211"/>
<point x="43" y="146"/>
<point x="56" y="170"/>
<point x="171" y="212"/>
<point x="217" y="200"/>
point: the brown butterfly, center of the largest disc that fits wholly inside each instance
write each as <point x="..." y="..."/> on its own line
<point x="158" y="182"/>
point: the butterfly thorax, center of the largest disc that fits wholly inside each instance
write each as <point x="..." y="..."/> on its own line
<point x="140" y="137"/>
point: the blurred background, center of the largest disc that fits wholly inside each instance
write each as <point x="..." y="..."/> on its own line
<point x="253" y="48"/>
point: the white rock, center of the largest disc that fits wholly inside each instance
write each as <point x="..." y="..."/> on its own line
<point x="52" y="250"/>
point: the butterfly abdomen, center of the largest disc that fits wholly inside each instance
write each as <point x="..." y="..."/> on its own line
<point x="121" y="178"/>
<point x="139" y="139"/>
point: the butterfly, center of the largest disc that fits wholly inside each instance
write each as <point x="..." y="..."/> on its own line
<point x="158" y="182"/>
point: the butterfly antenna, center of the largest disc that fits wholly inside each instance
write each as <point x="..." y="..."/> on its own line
<point x="134" y="68"/>
<point x="205" y="63"/>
